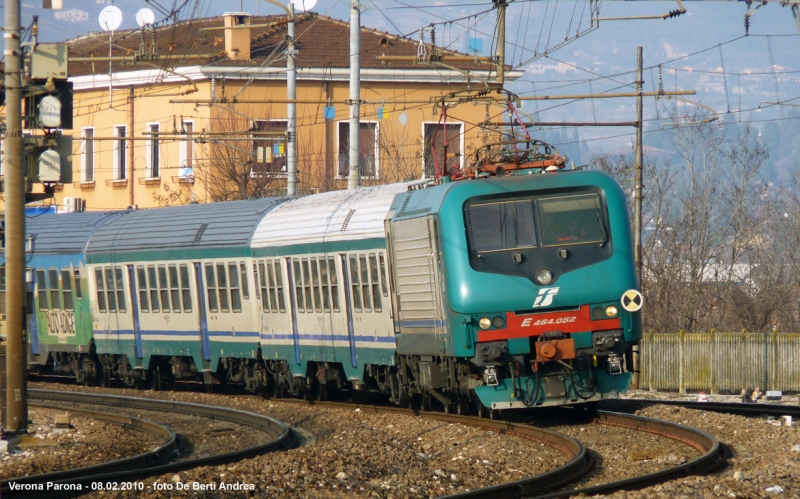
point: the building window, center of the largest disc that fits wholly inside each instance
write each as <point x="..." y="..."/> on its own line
<point x="120" y="152"/>
<point x="368" y="144"/>
<point x="87" y="160"/>
<point x="187" y="150"/>
<point x="269" y="152"/>
<point x="153" y="152"/>
<point x="434" y="135"/>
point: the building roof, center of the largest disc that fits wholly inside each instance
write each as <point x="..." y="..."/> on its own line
<point x="322" y="42"/>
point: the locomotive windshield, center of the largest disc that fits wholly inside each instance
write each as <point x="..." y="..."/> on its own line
<point x="511" y="225"/>
<point x="502" y="226"/>
<point x="570" y="220"/>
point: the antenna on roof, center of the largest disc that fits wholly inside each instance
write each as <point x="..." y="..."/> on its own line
<point x="145" y="17"/>
<point x="304" y="5"/>
<point x="110" y="18"/>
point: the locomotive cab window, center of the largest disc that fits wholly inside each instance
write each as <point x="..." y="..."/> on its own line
<point x="502" y="226"/>
<point x="571" y="220"/>
<point x="560" y="231"/>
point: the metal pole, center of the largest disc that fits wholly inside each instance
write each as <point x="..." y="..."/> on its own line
<point x="291" y="110"/>
<point x="130" y="151"/>
<point x="16" y="420"/>
<point x="637" y="231"/>
<point x="354" y="177"/>
<point x="501" y="41"/>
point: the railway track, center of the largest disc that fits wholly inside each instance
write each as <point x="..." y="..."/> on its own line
<point x="551" y="484"/>
<point x="581" y="460"/>
<point x="157" y="461"/>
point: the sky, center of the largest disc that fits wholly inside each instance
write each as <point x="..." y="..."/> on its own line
<point x="706" y="50"/>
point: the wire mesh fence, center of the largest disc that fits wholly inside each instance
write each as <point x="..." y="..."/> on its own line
<point x="720" y="362"/>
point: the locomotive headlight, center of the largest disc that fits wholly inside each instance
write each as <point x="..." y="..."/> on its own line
<point x="611" y="311"/>
<point x="498" y="322"/>
<point x="544" y="277"/>
<point x="485" y="323"/>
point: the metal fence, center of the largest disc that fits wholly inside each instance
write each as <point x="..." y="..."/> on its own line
<point x="720" y="362"/>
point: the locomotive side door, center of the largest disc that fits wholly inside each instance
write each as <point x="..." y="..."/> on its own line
<point x="201" y="307"/>
<point x="137" y="331"/>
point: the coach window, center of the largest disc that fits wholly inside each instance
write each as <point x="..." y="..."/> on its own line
<point x="354" y="283"/>
<point x="163" y="287"/>
<point x="374" y="279"/>
<point x="334" y="278"/>
<point x="279" y="285"/>
<point x="66" y="282"/>
<point x="307" y="285"/>
<point x="211" y="288"/>
<point x="110" y="290"/>
<point x="298" y="285"/>
<point x="323" y="277"/>
<point x="2" y="289"/>
<point x="315" y="285"/>
<point x="222" y="287"/>
<point x="174" y="289"/>
<point x="41" y="287"/>
<point x="120" y="289"/>
<point x="98" y="283"/>
<point x="236" y="296"/>
<point x="384" y="277"/>
<point x="151" y="278"/>
<point x="141" y="284"/>
<point x="259" y="270"/>
<point x="55" y="298"/>
<point x="78" y="292"/>
<point x="185" y="288"/>
<point x="245" y="287"/>
<point x="365" y="282"/>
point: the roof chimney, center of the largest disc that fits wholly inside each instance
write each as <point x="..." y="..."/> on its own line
<point x="237" y="39"/>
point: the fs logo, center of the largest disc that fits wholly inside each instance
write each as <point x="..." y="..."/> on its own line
<point x="545" y="297"/>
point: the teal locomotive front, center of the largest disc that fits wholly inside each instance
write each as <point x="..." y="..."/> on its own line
<point x="530" y="298"/>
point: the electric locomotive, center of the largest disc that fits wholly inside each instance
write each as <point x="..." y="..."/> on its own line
<point x="494" y="293"/>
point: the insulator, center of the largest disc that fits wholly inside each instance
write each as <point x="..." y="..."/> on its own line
<point x="746" y="24"/>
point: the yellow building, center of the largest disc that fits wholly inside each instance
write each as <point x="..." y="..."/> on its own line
<point x="224" y="89"/>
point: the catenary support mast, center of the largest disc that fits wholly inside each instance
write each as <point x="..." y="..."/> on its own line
<point x="354" y="176"/>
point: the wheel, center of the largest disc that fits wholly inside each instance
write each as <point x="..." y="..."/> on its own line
<point x="156" y="382"/>
<point x="321" y="392"/>
<point x="426" y="401"/>
<point x="479" y="408"/>
<point x="448" y="408"/>
<point x="461" y="408"/>
<point x="209" y="387"/>
<point x="494" y="414"/>
<point x="106" y="379"/>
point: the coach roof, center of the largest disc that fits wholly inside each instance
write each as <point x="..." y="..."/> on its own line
<point x="195" y="226"/>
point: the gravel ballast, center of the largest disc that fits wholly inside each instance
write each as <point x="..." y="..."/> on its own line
<point x="89" y="442"/>
<point x="393" y="456"/>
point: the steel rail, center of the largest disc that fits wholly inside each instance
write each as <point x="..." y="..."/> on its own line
<point x="579" y="463"/>
<point x="284" y="438"/>
<point x="166" y="449"/>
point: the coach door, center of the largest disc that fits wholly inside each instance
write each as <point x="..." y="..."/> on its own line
<point x="291" y="276"/>
<point x="201" y="308"/>
<point x="137" y="332"/>
<point x="348" y="307"/>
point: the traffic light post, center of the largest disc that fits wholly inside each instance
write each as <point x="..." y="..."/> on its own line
<point x="48" y="106"/>
<point x="15" y="417"/>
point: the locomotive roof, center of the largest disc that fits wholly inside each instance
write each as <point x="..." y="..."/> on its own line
<point x="196" y="226"/>
<point x="65" y="233"/>
<point x="330" y="216"/>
